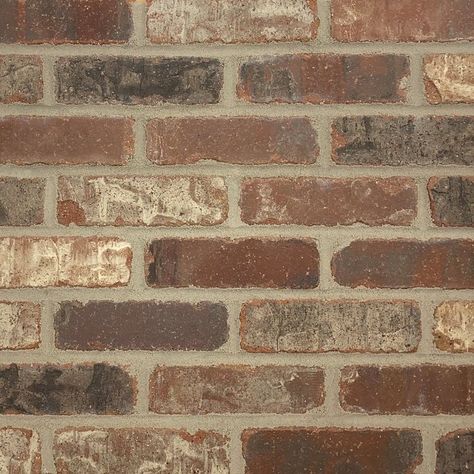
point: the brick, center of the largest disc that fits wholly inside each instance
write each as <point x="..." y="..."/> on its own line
<point x="239" y="263"/>
<point x="449" y="78"/>
<point x="136" y="80"/>
<point x="98" y="389"/>
<point x="137" y="450"/>
<point x="66" y="21"/>
<point x="19" y="451"/>
<point x="324" y="79"/>
<point x="403" y="141"/>
<point x="236" y="389"/>
<point x="403" y="20"/>
<point x="452" y="201"/>
<point x="455" y="453"/>
<point x="231" y="21"/>
<point x="433" y="390"/>
<point x="454" y="326"/>
<point x="26" y="140"/>
<point x="237" y="140"/>
<point x="331" y="450"/>
<point x="19" y="325"/>
<point x="21" y="79"/>
<point x="371" y="201"/>
<point x="144" y="325"/>
<point x="40" y="262"/>
<point x="324" y="326"/>
<point x="21" y="201"/>
<point x="406" y="263"/>
<point x="163" y="200"/>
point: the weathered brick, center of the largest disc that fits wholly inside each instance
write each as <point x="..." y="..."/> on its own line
<point x="231" y="21"/>
<point x="331" y="451"/>
<point x="455" y="453"/>
<point x="322" y="78"/>
<point x="239" y="263"/>
<point x="21" y="201"/>
<point x="414" y="390"/>
<point x="64" y="261"/>
<point x="98" y="389"/>
<point x="406" y="263"/>
<point x="21" y="79"/>
<point x="65" y="140"/>
<point x="449" y="78"/>
<point x="454" y="326"/>
<point x="403" y="20"/>
<point x="65" y="21"/>
<point x="137" y="80"/>
<point x="140" y="450"/>
<point x="139" y="200"/>
<point x="328" y="201"/>
<point x="145" y="325"/>
<point x="324" y="326"/>
<point x="236" y="389"/>
<point x="19" y="325"/>
<point x="238" y="140"/>
<point x="19" y="451"/>
<point x="452" y="200"/>
<point x="402" y="141"/>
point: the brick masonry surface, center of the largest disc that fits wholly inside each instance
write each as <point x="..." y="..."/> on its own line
<point x="236" y="237"/>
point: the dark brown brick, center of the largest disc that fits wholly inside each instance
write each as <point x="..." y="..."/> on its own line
<point x="21" y="79"/>
<point x="452" y="201"/>
<point x="455" y="453"/>
<point x="406" y="264"/>
<point x="136" y="80"/>
<point x="146" y="325"/>
<point x="21" y="201"/>
<point x="239" y="140"/>
<point x="65" y="140"/>
<point x="320" y="79"/>
<point x="416" y="390"/>
<point x="402" y="141"/>
<point x="98" y="389"/>
<point x="9" y="21"/>
<point x="328" y="201"/>
<point x="331" y="451"/>
<point x="225" y="263"/>
<point x="236" y="389"/>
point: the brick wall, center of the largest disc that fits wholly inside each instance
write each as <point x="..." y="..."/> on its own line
<point x="237" y="236"/>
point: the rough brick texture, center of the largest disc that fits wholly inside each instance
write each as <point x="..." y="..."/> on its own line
<point x="19" y="325"/>
<point x="19" y="451"/>
<point x="455" y="453"/>
<point x="21" y="79"/>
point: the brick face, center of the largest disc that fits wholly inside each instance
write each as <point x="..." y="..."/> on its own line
<point x="455" y="452"/>
<point x="19" y="451"/>
<point x="21" y="79"/>
<point x="19" y="325"/>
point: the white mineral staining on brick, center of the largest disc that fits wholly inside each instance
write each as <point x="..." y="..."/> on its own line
<point x="19" y="451"/>
<point x="454" y="329"/>
<point x="19" y="325"/>
<point x="64" y="261"/>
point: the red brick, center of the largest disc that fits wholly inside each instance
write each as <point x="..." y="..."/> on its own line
<point x="324" y="79"/>
<point x="225" y="263"/>
<point x="20" y="451"/>
<point x="238" y="140"/>
<point x="25" y="140"/>
<point x="406" y="264"/>
<point x="416" y="390"/>
<point x="328" y="201"/>
<point x="402" y="20"/>
<point x="19" y="325"/>
<point x="331" y="451"/>
<point x="21" y="79"/>
<point x="455" y="453"/>
<point x="236" y="389"/>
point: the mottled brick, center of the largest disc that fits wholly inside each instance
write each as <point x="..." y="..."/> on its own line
<point x="324" y="326"/>
<point x="331" y="451"/>
<point x="98" y="389"/>
<point x="26" y="140"/>
<point x="19" y="451"/>
<point x="144" y="325"/>
<point x="237" y="140"/>
<point x="64" y="261"/>
<point x="236" y="389"/>
<point x="323" y="78"/>
<point x="405" y="263"/>
<point x="239" y="263"/>
<point x="403" y="141"/>
<point x="452" y="201"/>
<point x="19" y="325"/>
<point x="138" y="80"/>
<point x="328" y="201"/>
<point x="21" y="79"/>
<point x="432" y="390"/>
<point x="455" y="453"/>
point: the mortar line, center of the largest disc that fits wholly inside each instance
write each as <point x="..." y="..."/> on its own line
<point x="138" y="39"/>
<point x="324" y="30"/>
<point x="233" y="194"/>
<point x="416" y="95"/>
<point x="49" y="201"/>
<point x="324" y="162"/>
<point x="429" y="436"/>
<point x="427" y="318"/>
<point x="49" y="81"/>
<point x="234" y="327"/>
<point x="423" y="219"/>
<point x="139" y="159"/>
<point x="46" y="436"/>
<point x="236" y="458"/>
<point x="332" y="377"/>
<point x="228" y="92"/>
<point x="47" y="327"/>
